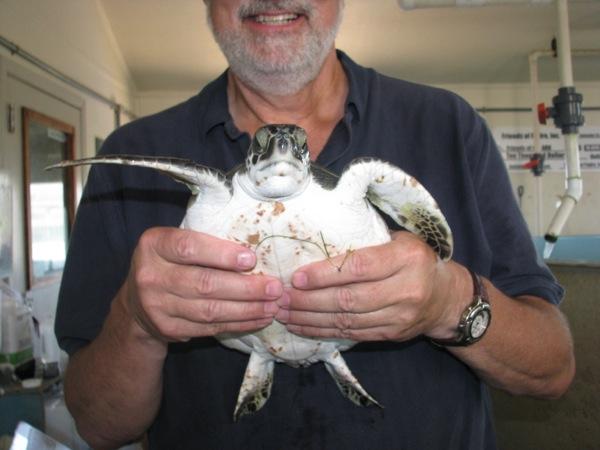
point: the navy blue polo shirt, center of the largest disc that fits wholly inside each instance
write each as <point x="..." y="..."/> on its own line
<point x="432" y="400"/>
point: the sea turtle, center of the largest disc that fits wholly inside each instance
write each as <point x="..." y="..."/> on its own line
<point x="293" y="212"/>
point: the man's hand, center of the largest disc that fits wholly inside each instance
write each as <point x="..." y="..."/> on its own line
<point x="394" y="291"/>
<point x="185" y="284"/>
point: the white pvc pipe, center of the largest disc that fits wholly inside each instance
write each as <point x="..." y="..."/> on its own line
<point x="413" y="4"/>
<point x="574" y="188"/>
<point x="564" y="45"/>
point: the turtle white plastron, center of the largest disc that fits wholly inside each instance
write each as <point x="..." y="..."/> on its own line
<point x="292" y="212"/>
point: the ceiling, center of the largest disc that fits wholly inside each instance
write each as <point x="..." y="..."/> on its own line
<point x="167" y="44"/>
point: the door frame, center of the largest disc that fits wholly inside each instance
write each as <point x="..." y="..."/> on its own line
<point x="29" y="115"/>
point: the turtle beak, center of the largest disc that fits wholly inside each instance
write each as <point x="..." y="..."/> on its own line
<point x="280" y="150"/>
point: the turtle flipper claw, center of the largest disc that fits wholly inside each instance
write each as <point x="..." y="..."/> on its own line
<point x="347" y="383"/>
<point x="256" y="387"/>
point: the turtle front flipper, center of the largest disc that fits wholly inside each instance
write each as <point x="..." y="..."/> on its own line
<point x="256" y="387"/>
<point x="198" y="178"/>
<point x="402" y="197"/>
<point x="346" y="382"/>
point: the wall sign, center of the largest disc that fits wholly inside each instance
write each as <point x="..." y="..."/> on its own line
<point x="516" y="146"/>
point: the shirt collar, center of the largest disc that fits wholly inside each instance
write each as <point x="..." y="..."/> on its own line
<point x="218" y="111"/>
<point x="357" y="90"/>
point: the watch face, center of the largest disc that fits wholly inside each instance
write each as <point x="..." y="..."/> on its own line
<point x="480" y="324"/>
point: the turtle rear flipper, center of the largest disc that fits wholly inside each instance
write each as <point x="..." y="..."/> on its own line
<point x="347" y="383"/>
<point x="256" y="387"/>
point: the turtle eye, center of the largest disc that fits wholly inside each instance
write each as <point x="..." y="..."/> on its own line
<point x="300" y="136"/>
<point x="262" y="137"/>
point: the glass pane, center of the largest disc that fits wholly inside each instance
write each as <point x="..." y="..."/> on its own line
<point x="47" y="193"/>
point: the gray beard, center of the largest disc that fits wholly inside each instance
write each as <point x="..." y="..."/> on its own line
<point x="291" y="64"/>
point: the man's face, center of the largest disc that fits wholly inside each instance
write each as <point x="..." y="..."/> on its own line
<point x="276" y="46"/>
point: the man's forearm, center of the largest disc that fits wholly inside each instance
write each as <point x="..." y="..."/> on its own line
<point x="528" y="348"/>
<point x="113" y="386"/>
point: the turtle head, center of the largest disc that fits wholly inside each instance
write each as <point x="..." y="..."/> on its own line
<point x="278" y="162"/>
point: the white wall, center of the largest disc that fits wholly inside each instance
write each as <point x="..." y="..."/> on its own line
<point x="74" y="37"/>
<point x="149" y="102"/>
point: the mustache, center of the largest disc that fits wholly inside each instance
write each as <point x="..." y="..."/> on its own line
<point x="256" y="7"/>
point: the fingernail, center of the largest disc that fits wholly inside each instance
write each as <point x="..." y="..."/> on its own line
<point x="271" y="307"/>
<point x="284" y="300"/>
<point x="274" y="289"/>
<point x="265" y="321"/>
<point x="245" y="260"/>
<point x="283" y="315"/>
<point x="299" y="279"/>
<point x="294" y="329"/>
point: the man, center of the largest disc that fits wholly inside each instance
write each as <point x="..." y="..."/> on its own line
<point x="138" y="320"/>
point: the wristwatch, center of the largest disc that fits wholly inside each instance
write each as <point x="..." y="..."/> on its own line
<point x="475" y="320"/>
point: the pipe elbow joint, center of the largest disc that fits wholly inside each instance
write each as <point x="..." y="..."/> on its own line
<point x="574" y="188"/>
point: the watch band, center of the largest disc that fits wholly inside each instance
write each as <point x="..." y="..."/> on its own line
<point x="478" y="287"/>
<point x="480" y="306"/>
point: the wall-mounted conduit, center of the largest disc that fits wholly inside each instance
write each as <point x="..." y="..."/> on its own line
<point x="516" y="109"/>
<point x="117" y="108"/>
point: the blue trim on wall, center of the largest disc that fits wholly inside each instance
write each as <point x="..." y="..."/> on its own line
<point x="572" y="249"/>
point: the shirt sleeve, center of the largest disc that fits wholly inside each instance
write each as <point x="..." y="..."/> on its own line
<point x="516" y="267"/>
<point x="97" y="262"/>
